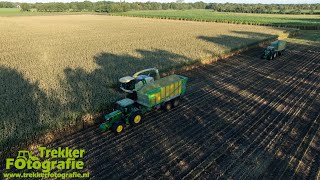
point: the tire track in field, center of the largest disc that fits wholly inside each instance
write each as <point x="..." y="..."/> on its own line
<point x="221" y="115"/>
<point x="216" y="154"/>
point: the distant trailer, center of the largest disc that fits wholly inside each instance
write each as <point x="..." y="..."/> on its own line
<point x="275" y="49"/>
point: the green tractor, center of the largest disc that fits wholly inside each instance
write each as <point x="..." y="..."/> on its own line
<point x="125" y="113"/>
<point x="145" y="93"/>
<point x="276" y="49"/>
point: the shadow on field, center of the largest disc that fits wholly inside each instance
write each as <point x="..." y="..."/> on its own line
<point x="254" y="35"/>
<point x="230" y="41"/>
<point x="310" y="36"/>
<point x="315" y="21"/>
<point x="91" y="91"/>
<point x="20" y="108"/>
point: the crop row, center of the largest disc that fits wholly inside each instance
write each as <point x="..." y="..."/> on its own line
<point x="242" y="165"/>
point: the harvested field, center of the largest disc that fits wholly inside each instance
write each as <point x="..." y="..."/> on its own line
<point x="241" y="118"/>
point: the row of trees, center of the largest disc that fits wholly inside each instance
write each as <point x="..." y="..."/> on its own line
<point x="107" y="6"/>
<point x="265" y="8"/>
<point x="7" y="5"/>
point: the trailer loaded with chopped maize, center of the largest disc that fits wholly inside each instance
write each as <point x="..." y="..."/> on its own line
<point x="275" y="49"/>
<point x="145" y="93"/>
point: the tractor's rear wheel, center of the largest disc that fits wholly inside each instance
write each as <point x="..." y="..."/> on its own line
<point x="135" y="118"/>
<point x="167" y="106"/>
<point x="176" y="102"/>
<point x="117" y="128"/>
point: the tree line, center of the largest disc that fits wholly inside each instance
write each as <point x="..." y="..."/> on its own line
<point x="7" y="5"/>
<point x="108" y="6"/>
<point x="266" y="8"/>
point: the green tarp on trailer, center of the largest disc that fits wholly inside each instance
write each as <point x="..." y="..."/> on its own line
<point x="279" y="45"/>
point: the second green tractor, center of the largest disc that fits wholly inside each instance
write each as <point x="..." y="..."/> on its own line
<point x="274" y="50"/>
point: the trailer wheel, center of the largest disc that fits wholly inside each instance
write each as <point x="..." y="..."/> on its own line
<point x="176" y="102"/>
<point x="117" y="128"/>
<point x="279" y="53"/>
<point x="274" y="55"/>
<point x="135" y="118"/>
<point x="167" y="106"/>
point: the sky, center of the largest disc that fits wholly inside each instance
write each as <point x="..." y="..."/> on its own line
<point x="207" y="1"/>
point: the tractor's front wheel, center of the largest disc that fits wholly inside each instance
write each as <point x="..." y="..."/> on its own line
<point x="117" y="128"/>
<point x="269" y="57"/>
<point x="135" y="118"/>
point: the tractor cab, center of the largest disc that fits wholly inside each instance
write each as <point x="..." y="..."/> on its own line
<point x="268" y="50"/>
<point x="122" y="109"/>
<point x="127" y="84"/>
<point x="125" y="105"/>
